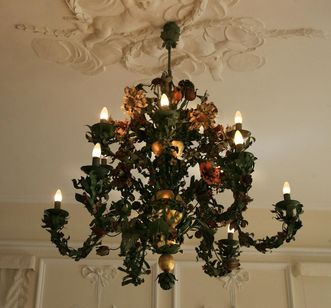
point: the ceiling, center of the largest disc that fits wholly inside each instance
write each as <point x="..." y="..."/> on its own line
<point x="279" y="80"/>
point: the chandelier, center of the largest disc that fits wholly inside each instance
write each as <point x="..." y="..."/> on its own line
<point x="149" y="159"/>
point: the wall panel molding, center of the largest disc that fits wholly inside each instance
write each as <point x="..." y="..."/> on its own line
<point x="312" y="269"/>
<point x="235" y="281"/>
<point x="282" y="266"/>
<point x="92" y="269"/>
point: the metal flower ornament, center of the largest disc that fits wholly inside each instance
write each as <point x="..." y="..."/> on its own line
<point x="161" y="204"/>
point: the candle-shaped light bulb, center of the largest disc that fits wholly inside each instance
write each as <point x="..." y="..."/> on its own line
<point x="96" y="151"/>
<point x="286" y="190"/>
<point x="104" y="115"/>
<point x="238" y="119"/>
<point x="238" y="138"/>
<point x="230" y="233"/>
<point x="58" y="196"/>
<point x="164" y="101"/>
<point x="57" y="199"/>
<point x="96" y="154"/>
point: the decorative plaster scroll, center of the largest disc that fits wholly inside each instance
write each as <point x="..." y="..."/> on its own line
<point x="100" y="277"/>
<point x="69" y="53"/>
<point x="46" y="31"/>
<point x="104" y="32"/>
<point x="232" y="283"/>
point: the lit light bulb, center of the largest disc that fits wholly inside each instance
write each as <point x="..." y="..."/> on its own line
<point x="96" y="151"/>
<point x="230" y="233"/>
<point x="58" y="196"/>
<point x="96" y="155"/>
<point x="238" y="138"/>
<point x="238" y="119"/>
<point x="57" y="199"/>
<point x="286" y="188"/>
<point x="164" y="100"/>
<point x="104" y="115"/>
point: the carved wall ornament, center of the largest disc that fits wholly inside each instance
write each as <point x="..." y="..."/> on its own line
<point x="104" y="32"/>
<point x="13" y="287"/>
<point x="232" y="283"/>
<point x="14" y="279"/>
<point x="100" y="277"/>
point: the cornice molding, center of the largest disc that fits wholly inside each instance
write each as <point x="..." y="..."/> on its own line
<point x="14" y="245"/>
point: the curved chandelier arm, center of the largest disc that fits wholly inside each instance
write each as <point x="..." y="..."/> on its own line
<point x="96" y="188"/>
<point x="54" y="221"/>
<point x="287" y="212"/>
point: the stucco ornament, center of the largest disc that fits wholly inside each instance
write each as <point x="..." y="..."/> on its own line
<point x="232" y="283"/>
<point x="104" y="32"/>
<point x="100" y="277"/>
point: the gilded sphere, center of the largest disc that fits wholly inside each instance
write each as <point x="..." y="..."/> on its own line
<point x="166" y="263"/>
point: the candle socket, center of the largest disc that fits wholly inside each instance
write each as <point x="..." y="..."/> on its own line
<point x="239" y="126"/>
<point x="57" y="205"/>
<point x="287" y="197"/>
<point x="230" y="236"/>
<point x="239" y="147"/>
<point x="104" y="121"/>
<point x="96" y="161"/>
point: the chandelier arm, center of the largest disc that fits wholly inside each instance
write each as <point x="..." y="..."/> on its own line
<point x="237" y="176"/>
<point x="287" y="212"/>
<point x="221" y="261"/>
<point x="96" y="187"/>
<point x="54" y="220"/>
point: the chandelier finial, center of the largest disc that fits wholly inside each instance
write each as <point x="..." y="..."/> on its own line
<point x="170" y="36"/>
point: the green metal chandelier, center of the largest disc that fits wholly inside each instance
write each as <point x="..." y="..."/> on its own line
<point x="161" y="204"/>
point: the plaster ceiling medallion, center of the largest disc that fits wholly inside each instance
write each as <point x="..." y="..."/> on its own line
<point x="104" y="32"/>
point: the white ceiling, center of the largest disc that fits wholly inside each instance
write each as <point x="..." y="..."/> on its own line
<point x="285" y="103"/>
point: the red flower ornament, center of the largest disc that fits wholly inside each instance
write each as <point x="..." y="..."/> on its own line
<point x="210" y="174"/>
